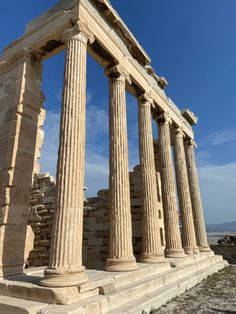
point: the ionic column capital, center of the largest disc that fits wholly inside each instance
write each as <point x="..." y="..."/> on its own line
<point x="80" y="32"/>
<point x="31" y="55"/>
<point x="164" y="119"/>
<point x="179" y="132"/>
<point x="118" y="72"/>
<point x="191" y="142"/>
<point x="146" y="100"/>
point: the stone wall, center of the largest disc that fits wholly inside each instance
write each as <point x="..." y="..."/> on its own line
<point x="21" y="117"/>
<point x="96" y="221"/>
<point x="40" y="218"/>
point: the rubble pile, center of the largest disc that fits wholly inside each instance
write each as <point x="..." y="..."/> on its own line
<point x="228" y="239"/>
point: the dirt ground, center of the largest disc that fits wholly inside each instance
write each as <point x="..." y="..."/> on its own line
<point x="216" y="294"/>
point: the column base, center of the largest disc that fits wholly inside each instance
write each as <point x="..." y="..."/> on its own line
<point x="188" y="251"/>
<point x="152" y="258"/>
<point x="175" y="254"/>
<point x="205" y="249"/>
<point x="119" y="265"/>
<point x="191" y="251"/>
<point x="58" y="279"/>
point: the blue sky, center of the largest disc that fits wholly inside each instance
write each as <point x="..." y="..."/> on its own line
<point x="191" y="43"/>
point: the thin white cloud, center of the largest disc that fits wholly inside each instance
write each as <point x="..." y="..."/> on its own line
<point x="89" y="96"/>
<point x="96" y="124"/>
<point x="225" y="137"/>
<point x="202" y="157"/>
<point x="218" y="186"/>
<point x="96" y="173"/>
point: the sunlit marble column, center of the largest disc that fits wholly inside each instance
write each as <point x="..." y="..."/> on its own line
<point x="198" y="215"/>
<point x="171" y="215"/>
<point x="65" y="264"/>
<point x="121" y="256"/>
<point x="152" y="250"/>
<point x="188" y="231"/>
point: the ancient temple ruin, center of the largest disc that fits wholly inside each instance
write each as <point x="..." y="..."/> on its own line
<point x="166" y="251"/>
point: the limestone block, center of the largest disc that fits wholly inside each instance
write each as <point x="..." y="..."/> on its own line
<point x="21" y="179"/>
<point x="12" y="247"/>
<point x="135" y="202"/>
<point x="92" y="241"/>
<point x="37" y="167"/>
<point x="14" y="195"/>
<point x="136" y="179"/>
<point x="19" y="306"/>
<point x="29" y="243"/>
<point x="6" y="86"/>
<point x="137" y="187"/>
<point x="26" y="146"/>
<point x="19" y="160"/>
<point x="7" y="115"/>
<point x="14" y="214"/>
<point x="103" y="193"/>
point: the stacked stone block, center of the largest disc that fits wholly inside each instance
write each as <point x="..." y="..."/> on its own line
<point x="95" y="225"/>
<point x="41" y="217"/>
<point x="96" y="231"/>
<point x="136" y="209"/>
<point x="22" y="115"/>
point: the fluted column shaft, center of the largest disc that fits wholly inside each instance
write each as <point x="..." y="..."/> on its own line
<point x="171" y="216"/>
<point x="121" y="256"/>
<point x="198" y="215"/>
<point x="152" y="250"/>
<point x="188" y="231"/>
<point x="65" y="265"/>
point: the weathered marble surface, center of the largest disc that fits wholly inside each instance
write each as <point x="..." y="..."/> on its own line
<point x="94" y="26"/>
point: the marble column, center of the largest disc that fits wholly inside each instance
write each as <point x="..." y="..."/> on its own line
<point x="121" y="256"/>
<point x="65" y="264"/>
<point x="198" y="215"/>
<point x="152" y="250"/>
<point x="188" y="231"/>
<point x="171" y="215"/>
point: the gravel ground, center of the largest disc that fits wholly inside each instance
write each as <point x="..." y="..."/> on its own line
<point x="216" y="294"/>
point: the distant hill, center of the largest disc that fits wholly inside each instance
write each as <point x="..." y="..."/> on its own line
<point x="227" y="226"/>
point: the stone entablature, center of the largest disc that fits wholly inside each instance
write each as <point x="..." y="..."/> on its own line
<point x="189" y="116"/>
<point x="112" y="45"/>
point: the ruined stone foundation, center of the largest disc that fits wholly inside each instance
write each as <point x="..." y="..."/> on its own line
<point x="96" y="221"/>
<point x="148" y="287"/>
